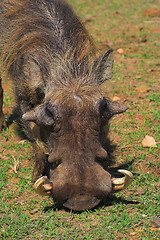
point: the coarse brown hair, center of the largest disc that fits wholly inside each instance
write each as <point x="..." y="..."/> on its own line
<point x="33" y="26"/>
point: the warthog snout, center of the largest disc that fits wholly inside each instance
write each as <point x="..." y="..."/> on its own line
<point x="78" y="198"/>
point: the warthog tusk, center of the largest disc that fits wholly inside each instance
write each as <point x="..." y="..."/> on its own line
<point x="47" y="187"/>
<point x="121" y="183"/>
<point x="40" y="188"/>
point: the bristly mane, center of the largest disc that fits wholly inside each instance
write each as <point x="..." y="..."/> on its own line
<point x="51" y="35"/>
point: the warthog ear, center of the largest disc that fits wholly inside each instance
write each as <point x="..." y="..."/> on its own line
<point x="108" y="108"/>
<point x="39" y="115"/>
<point x="104" y="66"/>
<point x="33" y="114"/>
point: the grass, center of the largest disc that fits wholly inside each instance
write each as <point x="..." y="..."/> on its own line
<point x="127" y="214"/>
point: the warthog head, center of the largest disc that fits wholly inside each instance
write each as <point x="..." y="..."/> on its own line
<point x="72" y="122"/>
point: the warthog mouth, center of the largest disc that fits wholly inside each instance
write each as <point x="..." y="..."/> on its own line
<point x="81" y="202"/>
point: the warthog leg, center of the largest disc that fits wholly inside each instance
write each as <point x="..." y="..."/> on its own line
<point x="41" y="183"/>
<point x="2" y="119"/>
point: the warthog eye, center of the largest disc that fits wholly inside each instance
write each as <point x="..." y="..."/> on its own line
<point x="52" y="115"/>
<point x="49" y="113"/>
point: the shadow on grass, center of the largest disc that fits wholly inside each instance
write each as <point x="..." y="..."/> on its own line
<point x="114" y="170"/>
<point x="113" y="199"/>
<point x="108" y="203"/>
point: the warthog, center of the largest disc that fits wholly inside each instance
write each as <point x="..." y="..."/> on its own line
<point x="48" y="54"/>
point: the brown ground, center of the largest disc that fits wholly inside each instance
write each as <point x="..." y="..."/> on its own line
<point x="133" y="91"/>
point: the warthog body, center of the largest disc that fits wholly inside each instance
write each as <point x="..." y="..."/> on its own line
<point x="48" y="54"/>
